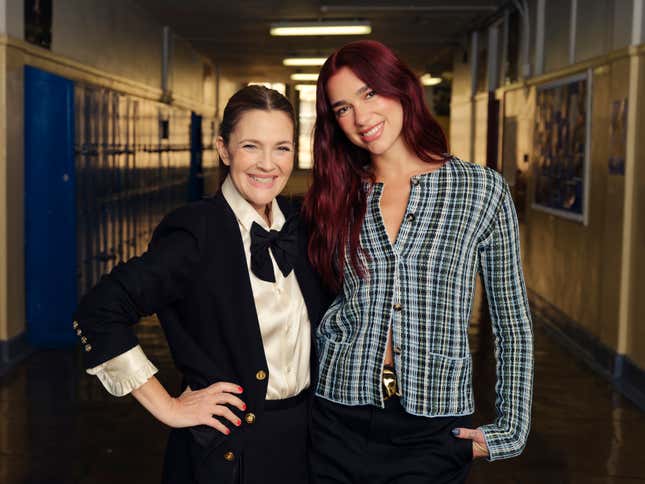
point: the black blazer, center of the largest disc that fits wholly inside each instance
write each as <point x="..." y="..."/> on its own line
<point x="194" y="276"/>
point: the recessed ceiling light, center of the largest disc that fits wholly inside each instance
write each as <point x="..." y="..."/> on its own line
<point x="321" y="28"/>
<point x="302" y="76"/>
<point x="428" y="80"/>
<point x="304" y="61"/>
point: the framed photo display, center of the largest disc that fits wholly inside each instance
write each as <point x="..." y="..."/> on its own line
<point x="561" y="146"/>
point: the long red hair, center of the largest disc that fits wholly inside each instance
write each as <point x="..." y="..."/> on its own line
<point x="335" y="205"/>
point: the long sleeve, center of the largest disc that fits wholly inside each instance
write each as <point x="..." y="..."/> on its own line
<point x="125" y="372"/>
<point x="139" y="287"/>
<point x="510" y="315"/>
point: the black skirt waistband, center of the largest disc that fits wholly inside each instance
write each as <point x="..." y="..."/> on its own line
<point x="286" y="403"/>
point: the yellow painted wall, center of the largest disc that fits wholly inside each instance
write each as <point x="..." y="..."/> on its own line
<point x="460" y="129"/>
<point x="12" y="282"/>
<point x="3" y="196"/>
<point x="116" y="36"/>
<point x="461" y="108"/>
<point x="614" y="82"/>
<point x="298" y="183"/>
<point x="478" y="151"/>
<point x="227" y="88"/>
<point x="576" y="267"/>
<point x="188" y="75"/>
<point x="636" y="330"/>
<point x="468" y="128"/>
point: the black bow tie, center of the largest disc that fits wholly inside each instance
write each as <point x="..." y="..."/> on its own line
<point x="283" y="244"/>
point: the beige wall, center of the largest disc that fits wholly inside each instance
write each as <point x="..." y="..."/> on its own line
<point x="120" y="38"/>
<point x="576" y="267"/>
<point x="114" y="36"/>
<point x="636" y="319"/>
<point x="461" y="78"/>
<point x="556" y="35"/>
<point x="12" y="282"/>
<point x="4" y="274"/>
<point x="188" y="75"/>
<point x="227" y="88"/>
<point x="468" y="128"/>
<point x="518" y="106"/>
<point x="298" y="183"/>
<point x="460" y="129"/>
<point x="478" y="151"/>
<point x="11" y="17"/>
<point x="461" y="108"/>
<point x="602" y="26"/>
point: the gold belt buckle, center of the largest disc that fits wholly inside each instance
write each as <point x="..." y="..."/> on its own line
<point x="388" y="381"/>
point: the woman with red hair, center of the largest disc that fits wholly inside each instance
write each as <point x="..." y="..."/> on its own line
<point x="399" y="229"/>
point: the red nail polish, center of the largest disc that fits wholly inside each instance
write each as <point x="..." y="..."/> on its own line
<point x="228" y="431"/>
<point x="240" y="389"/>
<point x="243" y="406"/>
<point x="239" y="422"/>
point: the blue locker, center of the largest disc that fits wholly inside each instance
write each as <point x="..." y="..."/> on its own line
<point x="50" y="209"/>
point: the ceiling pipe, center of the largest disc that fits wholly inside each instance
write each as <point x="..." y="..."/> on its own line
<point x="166" y="65"/>
<point x="523" y="7"/>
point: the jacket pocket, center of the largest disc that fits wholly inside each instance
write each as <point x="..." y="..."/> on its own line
<point x="449" y="382"/>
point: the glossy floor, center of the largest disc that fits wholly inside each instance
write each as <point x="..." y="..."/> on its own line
<point x="58" y="425"/>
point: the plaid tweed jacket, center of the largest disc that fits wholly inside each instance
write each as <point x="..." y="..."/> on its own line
<point x="460" y="219"/>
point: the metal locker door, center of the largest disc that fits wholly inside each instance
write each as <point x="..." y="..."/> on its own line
<point x="50" y="209"/>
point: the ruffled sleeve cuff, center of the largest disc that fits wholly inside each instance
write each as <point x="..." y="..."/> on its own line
<point x="125" y="372"/>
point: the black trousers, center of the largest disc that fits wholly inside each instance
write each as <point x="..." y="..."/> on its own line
<point x="276" y="452"/>
<point x="370" y="445"/>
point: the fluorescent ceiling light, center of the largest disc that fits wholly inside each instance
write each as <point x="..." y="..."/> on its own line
<point x="321" y="28"/>
<point x="428" y="80"/>
<point x="304" y="61"/>
<point x="305" y="87"/>
<point x="301" y="76"/>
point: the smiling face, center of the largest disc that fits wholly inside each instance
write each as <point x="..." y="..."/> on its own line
<point x="259" y="153"/>
<point x="369" y="120"/>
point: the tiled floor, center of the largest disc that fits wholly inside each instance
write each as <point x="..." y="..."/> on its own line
<point x="58" y="425"/>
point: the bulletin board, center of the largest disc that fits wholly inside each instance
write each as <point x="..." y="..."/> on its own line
<point x="561" y="145"/>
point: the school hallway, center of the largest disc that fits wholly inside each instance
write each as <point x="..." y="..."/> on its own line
<point x="109" y="116"/>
